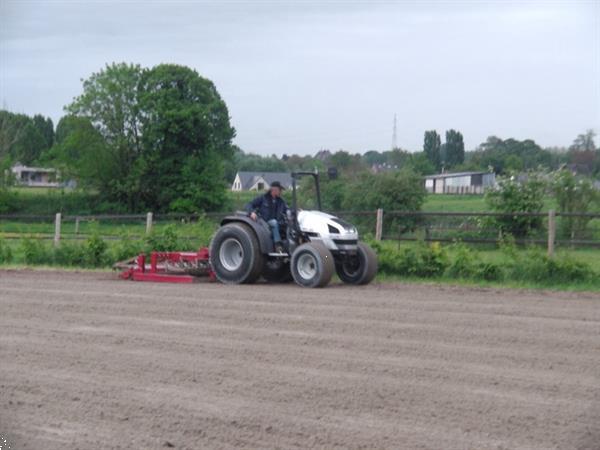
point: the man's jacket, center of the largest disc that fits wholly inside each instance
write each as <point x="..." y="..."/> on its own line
<point x="268" y="207"/>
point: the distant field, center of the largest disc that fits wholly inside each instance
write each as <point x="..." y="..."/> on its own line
<point x="49" y="201"/>
<point x="454" y="203"/>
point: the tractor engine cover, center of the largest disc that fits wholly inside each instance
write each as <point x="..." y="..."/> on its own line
<point x="335" y="233"/>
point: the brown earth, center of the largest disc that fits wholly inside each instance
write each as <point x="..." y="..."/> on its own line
<point x="90" y="362"/>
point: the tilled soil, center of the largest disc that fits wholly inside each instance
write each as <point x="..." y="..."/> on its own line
<point x="88" y="361"/>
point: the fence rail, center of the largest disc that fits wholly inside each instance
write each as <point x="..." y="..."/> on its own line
<point x="469" y="227"/>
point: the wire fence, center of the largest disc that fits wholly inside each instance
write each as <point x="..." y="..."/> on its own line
<point x="550" y="228"/>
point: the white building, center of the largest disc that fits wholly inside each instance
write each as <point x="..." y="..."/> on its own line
<point x="35" y="176"/>
<point x="259" y="181"/>
<point x="460" y="183"/>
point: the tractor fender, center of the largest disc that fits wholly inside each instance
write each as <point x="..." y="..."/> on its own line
<point x="260" y="228"/>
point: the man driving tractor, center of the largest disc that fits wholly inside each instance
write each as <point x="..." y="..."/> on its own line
<point x="271" y="208"/>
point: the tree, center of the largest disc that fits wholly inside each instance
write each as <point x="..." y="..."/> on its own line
<point x="432" y="147"/>
<point x="401" y="190"/>
<point x="45" y="127"/>
<point x="454" y="149"/>
<point x="110" y="101"/>
<point x="80" y="152"/>
<point x="584" y="142"/>
<point x="421" y="164"/>
<point x="252" y="163"/>
<point x="513" y="195"/>
<point x="186" y="139"/>
<point x="510" y="155"/>
<point x="22" y="138"/>
<point x="583" y="154"/>
<point x="573" y="195"/>
<point x="373" y="157"/>
<point x="166" y="133"/>
<point x="28" y="148"/>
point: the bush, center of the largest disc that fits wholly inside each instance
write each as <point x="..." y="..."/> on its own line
<point x="35" y="252"/>
<point x="514" y="195"/>
<point x="70" y="254"/>
<point x="464" y="262"/>
<point x="95" y="251"/>
<point x="126" y="248"/>
<point x="5" y="252"/>
<point x="421" y="260"/>
<point x="163" y="240"/>
<point x="8" y="201"/>
<point x="573" y="195"/>
<point x="534" y="265"/>
<point x="489" y="272"/>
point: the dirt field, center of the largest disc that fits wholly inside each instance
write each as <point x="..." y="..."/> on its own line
<point x="90" y="362"/>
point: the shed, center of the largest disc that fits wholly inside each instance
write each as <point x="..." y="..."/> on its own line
<point x="460" y="182"/>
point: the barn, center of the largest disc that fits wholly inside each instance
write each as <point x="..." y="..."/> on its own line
<point x="460" y="182"/>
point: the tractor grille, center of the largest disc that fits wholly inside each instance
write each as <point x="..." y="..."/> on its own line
<point x="345" y="241"/>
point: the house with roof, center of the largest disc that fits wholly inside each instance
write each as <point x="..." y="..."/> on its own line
<point x="259" y="181"/>
<point x="460" y="182"/>
<point x="35" y="176"/>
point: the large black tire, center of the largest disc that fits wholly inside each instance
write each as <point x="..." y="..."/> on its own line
<point x="235" y="255"/>
<point x="360" y="269"/>
<point x="312" y="265"/>
<point x="277" y="272"/>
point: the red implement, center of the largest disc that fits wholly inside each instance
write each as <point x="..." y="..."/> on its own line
<point x="168" y="267"/>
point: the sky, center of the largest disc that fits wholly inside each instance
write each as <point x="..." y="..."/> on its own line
<point x="302" y="76"/>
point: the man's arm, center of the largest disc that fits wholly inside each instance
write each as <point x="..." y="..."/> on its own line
<point x="254" y="206"/>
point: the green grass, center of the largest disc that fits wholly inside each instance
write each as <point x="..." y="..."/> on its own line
<point x="466" y="203"/>
<point x="454" y="203"/>
<point x="586" y="286"/>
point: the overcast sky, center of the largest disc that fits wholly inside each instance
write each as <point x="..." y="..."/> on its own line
<point x="301" y="76"/>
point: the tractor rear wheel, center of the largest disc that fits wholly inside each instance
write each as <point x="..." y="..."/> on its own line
<point x="312" y="265"/>
<point x="360" y="269"/>
<point x="235" y="254"/>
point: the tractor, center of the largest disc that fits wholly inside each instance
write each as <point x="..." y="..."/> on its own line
<point x="316" y="245"/>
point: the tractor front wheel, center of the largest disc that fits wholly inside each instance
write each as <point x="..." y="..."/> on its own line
<point x="235" y="254"/>
<point x="360" y="268"/>
<point x="312" y="265"/>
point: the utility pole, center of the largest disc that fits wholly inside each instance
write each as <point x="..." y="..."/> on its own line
<point x="394" y="135"/>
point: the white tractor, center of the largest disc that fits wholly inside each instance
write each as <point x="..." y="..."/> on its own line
<point x="317" y="244"/>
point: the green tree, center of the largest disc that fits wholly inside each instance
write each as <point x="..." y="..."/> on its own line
<point x="454" y="149"/>
<point x="421" y="164"/>
<point x="510" y="155"/>
<point x="186" y="139"/>
<point x="252" y="163"/>
<point x="80" y="152"/>
<point x="522" y="196"/>
<point x="45" y="127"/>
<point x="374" y="157"/>
<point x="166" y="135"/>
<point x="22" y="138"/>
<point x="110" y="101"/>
<point x="432" y="147"/>
<point x="30" y="145"/>
<point x="573" y="195"/>
<point x="584" y="141"/>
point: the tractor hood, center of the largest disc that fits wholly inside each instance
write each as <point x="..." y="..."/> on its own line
<point x="336" y="233"/>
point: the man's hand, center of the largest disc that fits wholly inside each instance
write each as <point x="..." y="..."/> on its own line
<point x="253" y="215"/>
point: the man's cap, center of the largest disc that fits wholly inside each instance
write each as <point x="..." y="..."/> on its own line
<point x="277" y="184"/>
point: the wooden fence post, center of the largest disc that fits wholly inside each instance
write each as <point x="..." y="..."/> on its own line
<point x="379" y="224"/>
<point x="76" y="225"/>
<point x="57" y="222"/>
<point x="551" y="232"/>
<point x="148" y="223"/>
